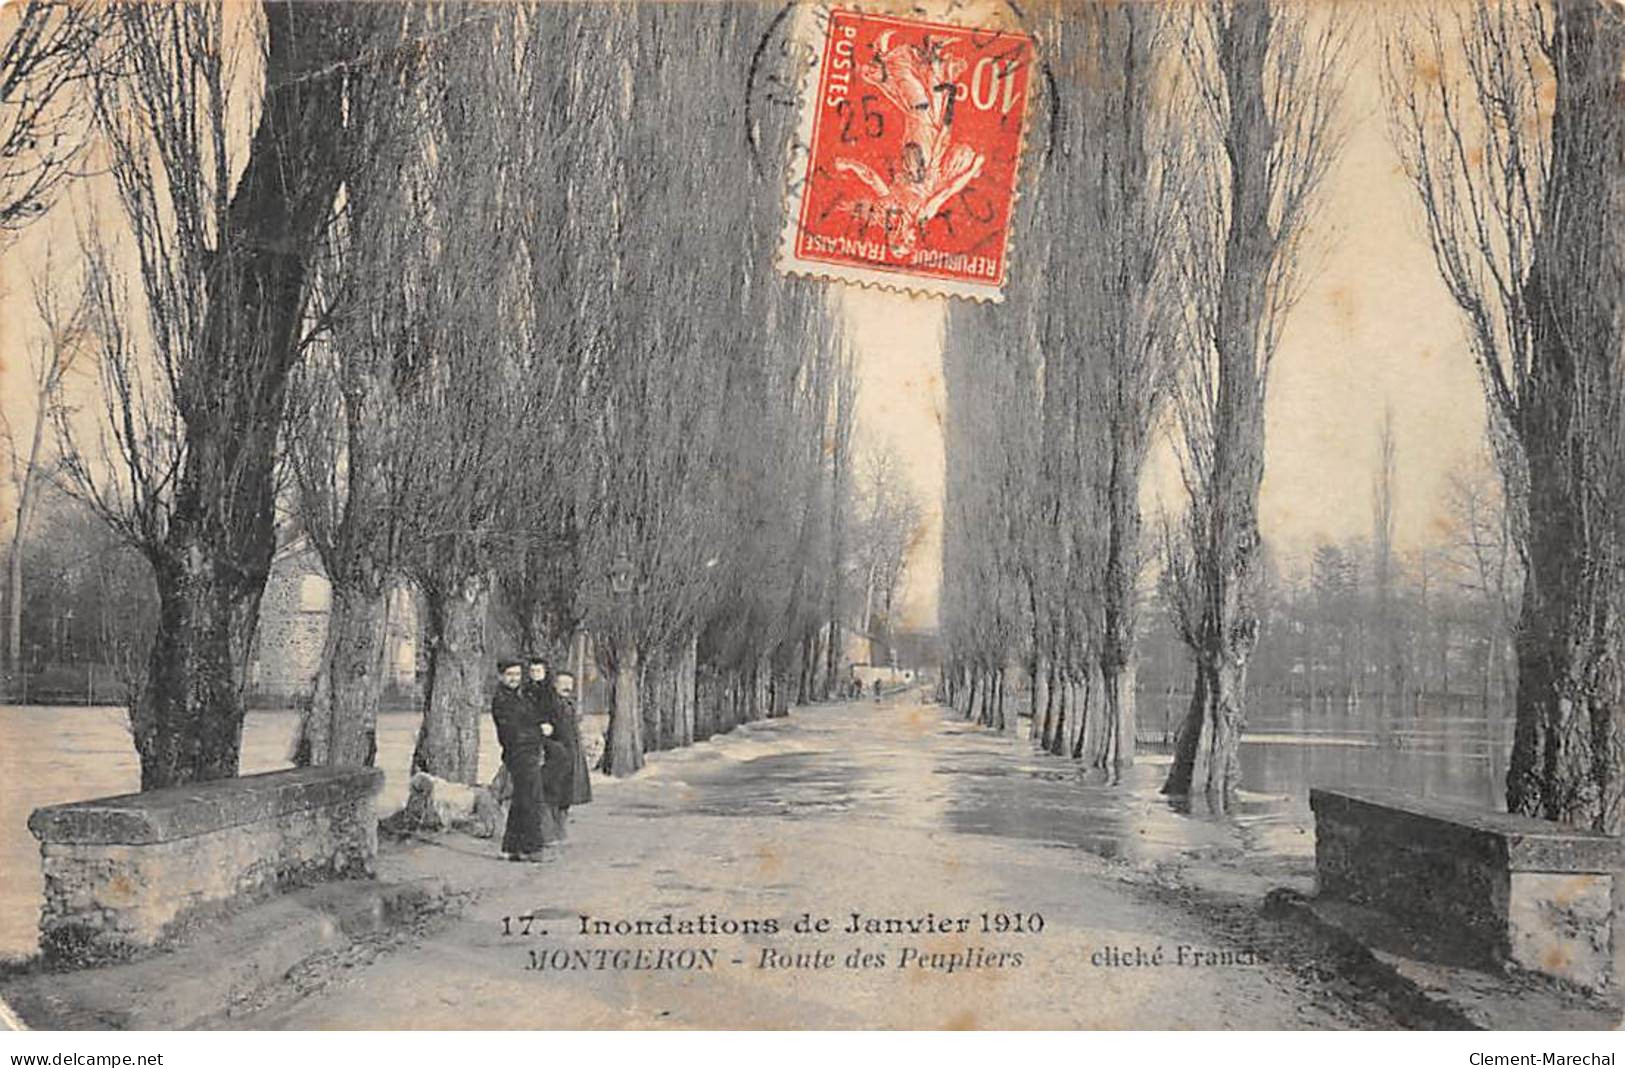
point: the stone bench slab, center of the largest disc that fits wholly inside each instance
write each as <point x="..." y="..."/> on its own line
<point x="1520" y="843"/>
<point x="1502" y="888"/>
<point x="200" y="808"/>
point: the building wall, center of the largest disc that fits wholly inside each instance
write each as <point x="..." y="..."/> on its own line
<point x="293" y="627"/>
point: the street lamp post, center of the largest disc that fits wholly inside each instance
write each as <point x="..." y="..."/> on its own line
<point x="624" y="752"/>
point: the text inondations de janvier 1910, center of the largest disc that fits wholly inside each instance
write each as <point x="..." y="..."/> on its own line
<point x="942" y="943"/>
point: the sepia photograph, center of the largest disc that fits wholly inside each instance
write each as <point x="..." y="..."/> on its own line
<point x="796" y="515"/>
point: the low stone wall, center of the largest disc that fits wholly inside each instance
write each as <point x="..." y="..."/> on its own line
<point x="123" y="873"/>
<point x="1537" y="894"/>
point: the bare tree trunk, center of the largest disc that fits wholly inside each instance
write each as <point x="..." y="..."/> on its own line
<point x="1118" y="578"/>
<point x="623" y="755"/>
<point x="704" y="708"/>
<point x="1055" y="727"/>
<point x="14" y="604"/>
<point x="14" y="609"/>
<point x="212" y="563"/>
<point x="1118" y="711"/>
<point x="649" y="680"/>
<point x="1566" y="746"/>
<point x="1077" y="718"/>
<point x="187" y="718"/>
<point x="456" y="690"/>
<point x="840" y="475"/>
<point x="686" y="672"/>
<point x="670" y="713"/>
<point x="1568" y="756"/>
<point x="868" y="606"/>
<point x="27" y="498"/>
<point x="1052" y="707"/>
<point x="1225" y="543"/>
<point x="764" y="687"/>
<point x="339" y="724"/>
<point x="664" y="713"/>
<point x="815" y="667"/>
<point x="1090" y="746"/>
<point x="1209" y="742"/>
<point x="578" y="656"/>
<point x="1040" y="699"/>
<point x="733" y="712"/>
<point x="1117" y="661"/>
<point x="804" y="658"/>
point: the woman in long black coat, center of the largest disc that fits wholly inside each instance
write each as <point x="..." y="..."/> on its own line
<point x="576" y="787"/>
<point x="557" y="766"/>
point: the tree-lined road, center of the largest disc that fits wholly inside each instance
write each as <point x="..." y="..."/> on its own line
<point x="894" y="810"/>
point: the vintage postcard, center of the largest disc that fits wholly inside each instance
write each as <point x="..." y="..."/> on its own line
<point x="772" y="514"/>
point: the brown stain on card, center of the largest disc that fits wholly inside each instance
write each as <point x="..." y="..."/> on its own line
<point x="1345" y="306"/>
<point x="768" y="862"/>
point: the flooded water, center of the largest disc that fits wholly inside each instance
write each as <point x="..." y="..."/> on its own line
<point x="983" y="783"/>
<point x="49" y="755"/>
<point x="836" y="760"/>
<point x="1456" y="755"/>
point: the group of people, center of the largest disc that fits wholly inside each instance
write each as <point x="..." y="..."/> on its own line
<point x="541" y="753"/>
<point x="854" y="688"/>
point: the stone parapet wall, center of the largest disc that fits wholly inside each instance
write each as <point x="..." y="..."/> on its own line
<point x="124" y="873"/>
<point x="1507" y="889"/>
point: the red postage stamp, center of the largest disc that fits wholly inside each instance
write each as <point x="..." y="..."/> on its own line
<point x="912" y="133"/>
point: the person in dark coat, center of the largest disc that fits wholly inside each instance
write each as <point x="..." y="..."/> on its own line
<point x="567" y="732"/>
<point x="538" y="686"/>
<point x="557" y="767"/>
<point x="519" y="732"/>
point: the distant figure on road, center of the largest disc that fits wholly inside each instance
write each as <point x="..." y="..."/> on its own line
<point x="877" y="689"/>
<point x="519" y="732"/>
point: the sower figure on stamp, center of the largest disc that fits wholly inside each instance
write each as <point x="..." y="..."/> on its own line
<point x="519" y="732"/>
<point x="575" y="786"/>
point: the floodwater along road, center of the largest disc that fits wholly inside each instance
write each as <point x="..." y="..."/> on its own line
<point x="873" y="863"/>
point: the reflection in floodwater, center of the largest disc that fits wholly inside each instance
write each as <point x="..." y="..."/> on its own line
<point x="891" y="764"/>
<point x="1456" y="755"/>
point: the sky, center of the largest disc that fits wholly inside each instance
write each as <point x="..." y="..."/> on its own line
<point x="1375" y="328"/>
